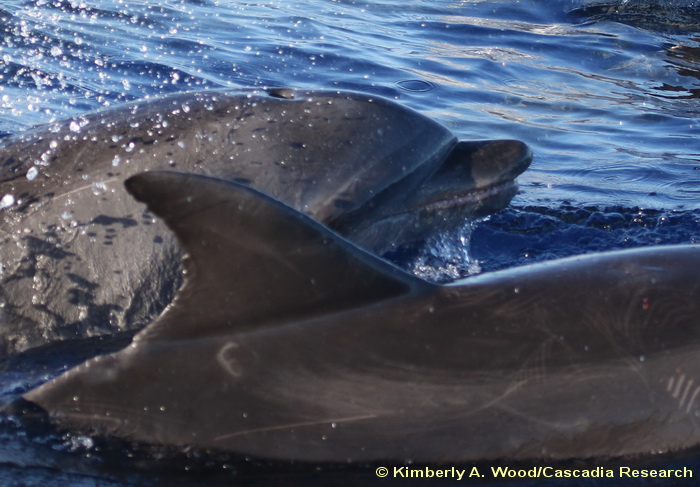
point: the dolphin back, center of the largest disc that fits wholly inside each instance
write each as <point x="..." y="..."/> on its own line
<point x="325" y="353"/>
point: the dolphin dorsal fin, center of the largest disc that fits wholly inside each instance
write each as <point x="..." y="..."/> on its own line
<point x="253" y="262"/>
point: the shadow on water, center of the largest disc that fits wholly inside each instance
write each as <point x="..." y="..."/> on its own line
<point x="522" y="235"/>
<point x="685" y="59"/>
<point x="656" y="15"/>
<point x="525" y="235"/>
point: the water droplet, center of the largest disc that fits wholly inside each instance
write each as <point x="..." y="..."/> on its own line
<point x="7" y="201"/>
<point x="98" y="188"/>
<point x="32" y="173"/>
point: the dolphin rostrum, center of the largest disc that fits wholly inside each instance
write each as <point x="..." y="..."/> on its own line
<point x="289" y="342"/>
<point x="79" y="257"/>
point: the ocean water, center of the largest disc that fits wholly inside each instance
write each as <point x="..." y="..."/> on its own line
<point x="607" y="94"/>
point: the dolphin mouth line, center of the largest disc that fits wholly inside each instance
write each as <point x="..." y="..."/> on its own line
<point x="467" y="198"/>
<point x="470" y="197"/>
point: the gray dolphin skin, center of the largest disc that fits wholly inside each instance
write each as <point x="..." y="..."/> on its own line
<point x="81" y="258"/>
<point x="289" y="342"/>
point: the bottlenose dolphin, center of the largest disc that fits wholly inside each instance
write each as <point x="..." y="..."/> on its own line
<point x="80" y="257"/>
<point x="289" y="342"/>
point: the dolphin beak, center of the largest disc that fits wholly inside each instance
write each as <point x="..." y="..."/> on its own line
<point x="475" y="180"/>
<point x="498" y="161"/>
<point x="479" y="177"/>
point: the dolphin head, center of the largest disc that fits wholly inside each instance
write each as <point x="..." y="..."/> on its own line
<point x="377" y="172"/>
<point x="380" y="174"/>
<point x="475" y="179"/>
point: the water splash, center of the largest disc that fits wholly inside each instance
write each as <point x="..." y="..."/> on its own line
<point x="446" y="257"/>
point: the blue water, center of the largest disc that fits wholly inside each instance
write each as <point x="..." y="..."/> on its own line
<point x="607" y="94"/>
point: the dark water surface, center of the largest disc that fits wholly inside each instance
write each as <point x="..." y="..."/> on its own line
<point x="606" y="93"/>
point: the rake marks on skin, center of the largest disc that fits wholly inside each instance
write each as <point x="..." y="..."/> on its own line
<point x="681" y="389"/>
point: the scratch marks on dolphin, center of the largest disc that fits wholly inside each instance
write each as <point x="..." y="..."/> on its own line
<point x="331" y="422"/>
<point x="679" y="390"/>
<point x="228" y="361"/>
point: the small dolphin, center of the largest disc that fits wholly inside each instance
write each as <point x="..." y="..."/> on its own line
<point x="289" y="342"/>
<point x="80" y="257"/>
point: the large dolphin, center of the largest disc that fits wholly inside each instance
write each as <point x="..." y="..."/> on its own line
<point x="289" y="342"/>
<point x="80" y="257"/>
